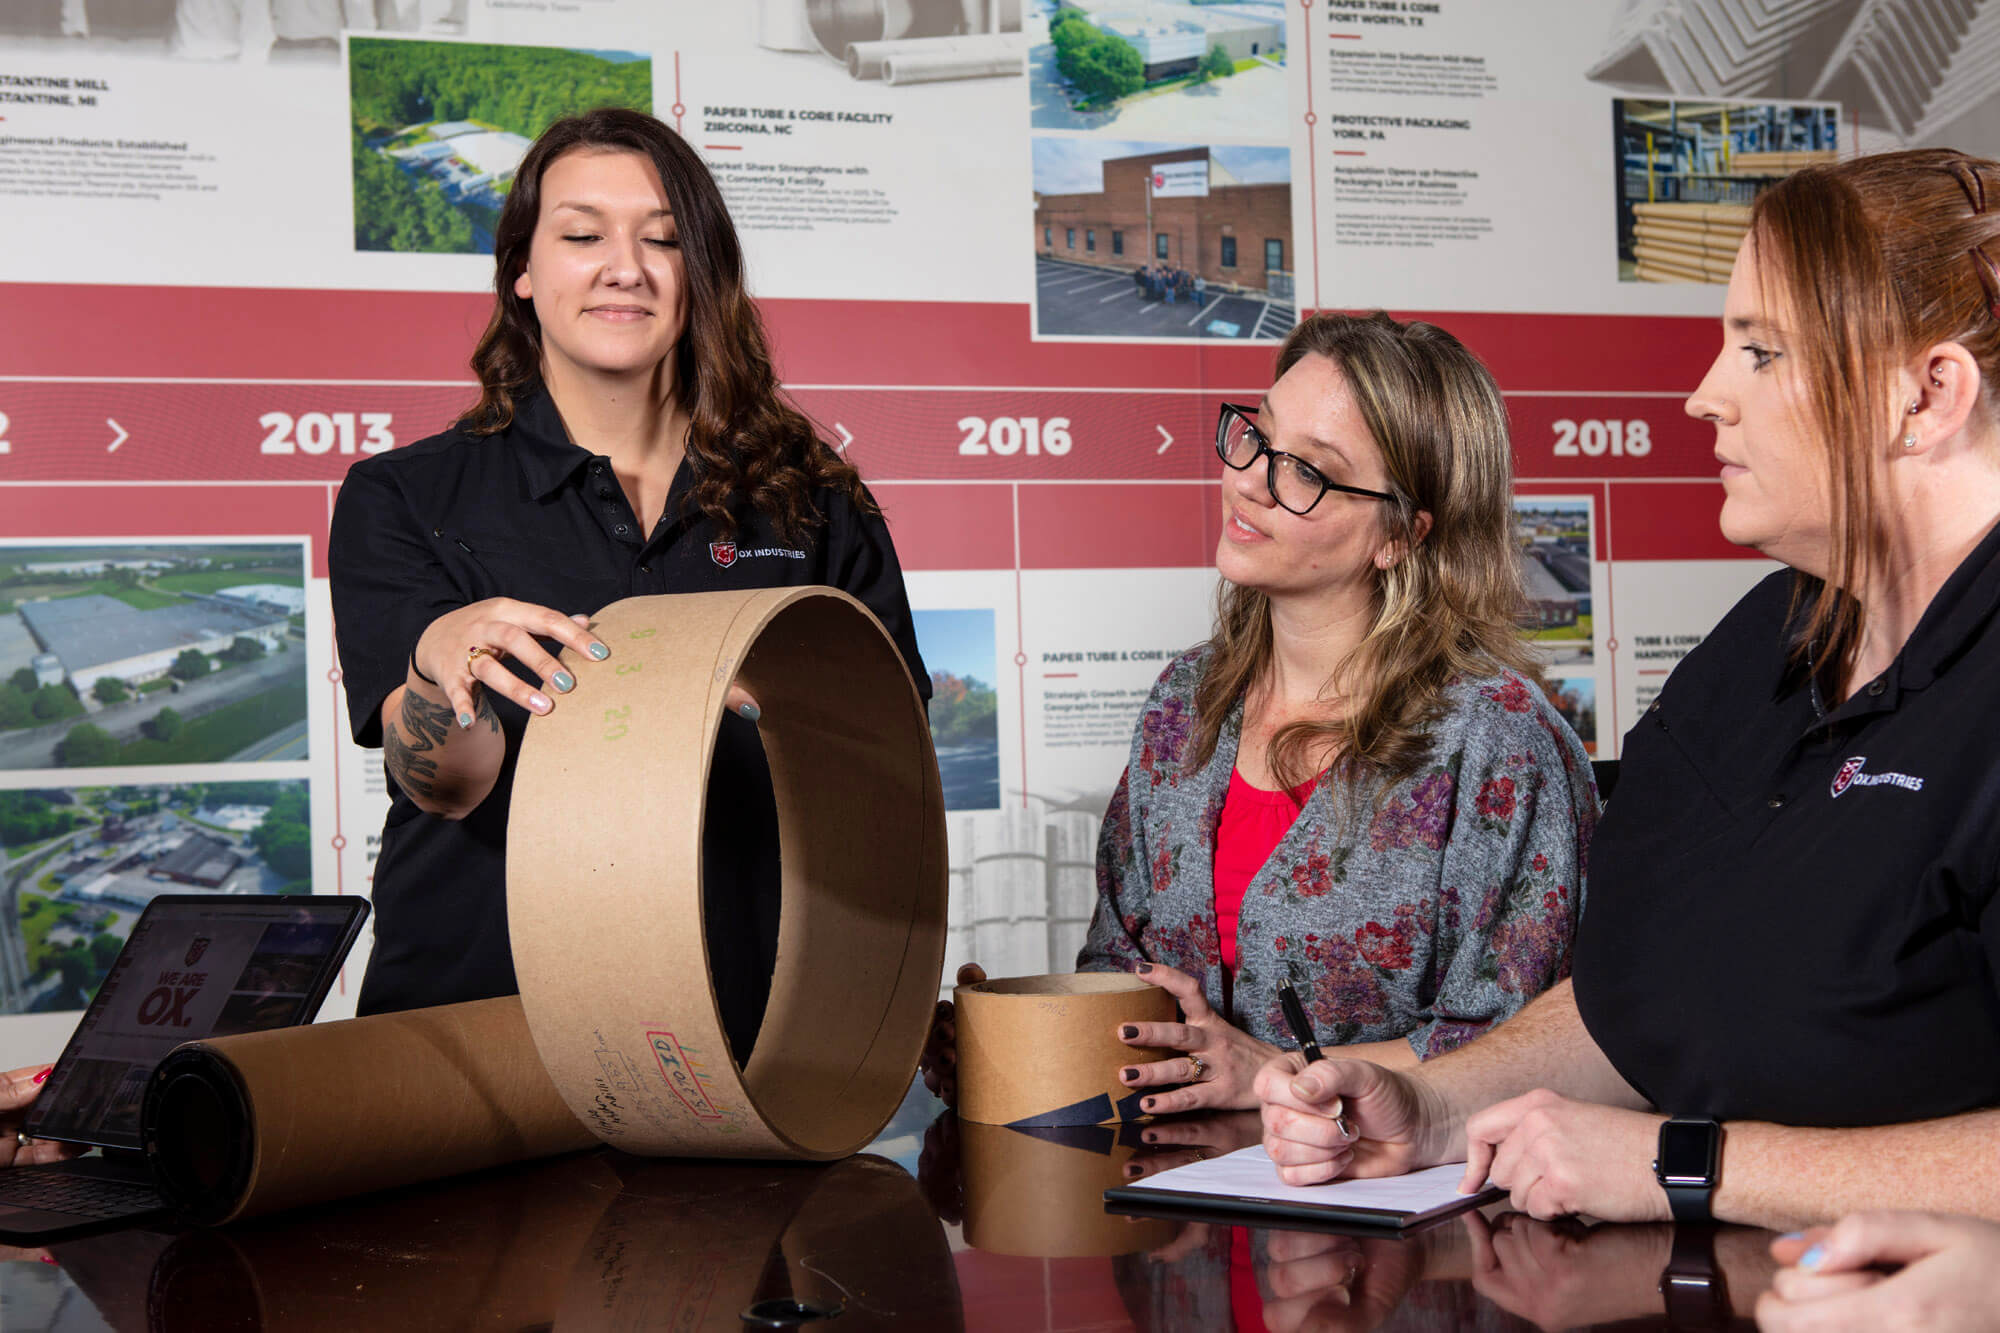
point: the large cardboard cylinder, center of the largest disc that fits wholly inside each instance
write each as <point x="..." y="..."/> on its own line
<point x="251" y="1124"/>
<point x="604" y="878"/>
<point x="1045" y="1050"/>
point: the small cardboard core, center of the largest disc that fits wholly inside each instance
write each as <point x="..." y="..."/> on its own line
<point x="1044" y="1051"/>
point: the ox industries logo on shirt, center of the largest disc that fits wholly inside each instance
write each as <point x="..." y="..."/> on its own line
<point x="726" y="554"/>
<point x="1850" y="775"/>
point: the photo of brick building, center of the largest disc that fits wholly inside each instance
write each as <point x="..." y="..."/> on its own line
<point x="1206" y="252"/>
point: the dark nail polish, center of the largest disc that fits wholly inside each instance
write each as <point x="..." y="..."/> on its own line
<point x="1128" y="1032"/>
<point x="1147" y="1105"/>
<point x="1143" y="967"/>
<point x="1128" y="1074"/>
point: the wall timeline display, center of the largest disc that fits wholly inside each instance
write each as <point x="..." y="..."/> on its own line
<point x="1012" y="255"/>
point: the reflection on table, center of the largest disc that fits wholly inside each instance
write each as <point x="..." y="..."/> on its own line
<point x="942" y="1225"/>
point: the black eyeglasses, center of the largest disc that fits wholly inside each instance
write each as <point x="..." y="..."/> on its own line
<point x="1295" y="483"/>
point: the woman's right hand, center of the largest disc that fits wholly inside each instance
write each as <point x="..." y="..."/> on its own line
<point x="504" y="628"/>
<point x="1337" y="1118"/>
<point x="939" y="1062"/>
<point x="18" y="1090"/>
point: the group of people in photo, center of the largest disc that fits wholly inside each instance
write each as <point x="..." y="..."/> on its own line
<point x="1163" y="282"/>
<point x="1777" y="942"/>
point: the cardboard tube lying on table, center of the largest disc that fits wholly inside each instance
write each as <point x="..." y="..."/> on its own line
<point x="1045" y="1050"/>
<point x="264" y="1121"/>
<point x="604" y="878"/>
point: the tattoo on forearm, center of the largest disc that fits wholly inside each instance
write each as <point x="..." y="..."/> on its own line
<point x="425" y="726"/>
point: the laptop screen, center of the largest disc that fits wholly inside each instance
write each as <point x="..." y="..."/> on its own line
<point x="193" y="967"/>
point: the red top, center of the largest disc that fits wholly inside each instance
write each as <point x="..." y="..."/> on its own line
<point x="1253" y="823"/>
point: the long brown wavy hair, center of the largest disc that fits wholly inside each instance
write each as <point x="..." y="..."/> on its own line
<point x="746" y="442"/>
<point x="1447" y="608"/>
<point x="1872" y="261"/>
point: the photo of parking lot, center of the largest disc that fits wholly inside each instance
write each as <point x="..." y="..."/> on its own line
<point x="439" y="127"/>
<point x="1148" y="241"/>
<point x="116" y="655"/>
<point x="965" y="725"/>
<point x="78" y="865"/>
<point x="1553" y="539"/>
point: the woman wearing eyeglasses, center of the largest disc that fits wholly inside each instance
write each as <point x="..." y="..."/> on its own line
<point x="1357" y="783"/>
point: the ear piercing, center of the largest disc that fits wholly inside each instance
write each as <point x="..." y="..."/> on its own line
<point x="1910" y="437"/>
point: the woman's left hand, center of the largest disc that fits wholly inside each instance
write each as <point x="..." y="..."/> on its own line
<point x="18" y="1090"/>
<point x="1221" y="1063"/>
<point x="1555" y="1157"/>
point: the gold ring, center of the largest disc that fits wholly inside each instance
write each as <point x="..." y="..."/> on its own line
<point x="1198" y="1067"/>
<point x="474" y="654"/>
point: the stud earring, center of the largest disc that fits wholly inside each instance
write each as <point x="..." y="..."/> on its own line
<point x="1910" y="440"/>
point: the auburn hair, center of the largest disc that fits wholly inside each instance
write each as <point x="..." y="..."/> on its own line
<point x="746" y="442"/>
<point x="1872" y="261"/>
<point x="1446" y="609"/>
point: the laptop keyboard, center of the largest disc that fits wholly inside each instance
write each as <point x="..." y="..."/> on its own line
<point x="59" y="1192"/>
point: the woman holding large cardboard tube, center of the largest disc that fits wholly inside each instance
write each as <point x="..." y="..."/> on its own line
<point x="630" y="438"/>
<point x="1785" y="1003"/>
<point x="1357" y="783"/>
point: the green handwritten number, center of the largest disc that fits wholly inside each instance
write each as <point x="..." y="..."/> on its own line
<point x="615" y="726"/>
<point x="627" y="668"/>
<point x="646" y="633"/>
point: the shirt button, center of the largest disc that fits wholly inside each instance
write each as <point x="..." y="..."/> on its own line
<point x="1777" y="802"/>
<point x="1876" y="686"/>
<point x="645" y="569"/>
<point x="621" y="529"/>
<point x="597" y="469"/>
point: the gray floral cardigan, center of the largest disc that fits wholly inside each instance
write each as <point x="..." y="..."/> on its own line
<point x="1433" y="914"/>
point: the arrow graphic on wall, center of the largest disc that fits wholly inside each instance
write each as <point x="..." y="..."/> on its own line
<point x="1165" y="440"/>
<point x="123" y="435"/>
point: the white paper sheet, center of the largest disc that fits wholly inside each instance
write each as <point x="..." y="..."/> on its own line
<point x="1249" y="1174"/>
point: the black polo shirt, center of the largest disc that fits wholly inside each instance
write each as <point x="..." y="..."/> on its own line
<point x="526" y="514"/>
<point x="1791" y="909"/>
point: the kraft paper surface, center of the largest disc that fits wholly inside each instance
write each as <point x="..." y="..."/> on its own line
<point x="1039" y="1193"/>
<point x="605" y="888"/>
<point x="1045" y="1050"/>
<point x="263" y="1121"/>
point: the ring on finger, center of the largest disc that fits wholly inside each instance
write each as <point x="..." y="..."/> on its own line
<point x="477" y="651"/>
<point x="1196" y="1067"/>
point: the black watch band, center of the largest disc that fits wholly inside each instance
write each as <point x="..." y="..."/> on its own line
<point x="1688" y="1165"/>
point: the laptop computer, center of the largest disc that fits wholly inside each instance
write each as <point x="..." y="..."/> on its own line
<point x="194" y="966"/>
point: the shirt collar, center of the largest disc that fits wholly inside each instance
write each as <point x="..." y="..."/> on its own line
<point x="541" y="444"/>
<point x="1957" y="614"/>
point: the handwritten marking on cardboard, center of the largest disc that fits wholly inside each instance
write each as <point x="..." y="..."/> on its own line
<point x="683" y="1079"/>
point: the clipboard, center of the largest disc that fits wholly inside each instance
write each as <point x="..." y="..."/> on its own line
<point x="1244" y="1184"/>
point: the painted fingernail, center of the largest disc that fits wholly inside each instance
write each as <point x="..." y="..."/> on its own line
<point x="1131" y="1169"/>
<point x="598" y="652"/>
<point x="1151" y="1136"/>
<point x="1346" y="1128"/>
<point x="751" y="711"/>
<point x="48" y="1258"/>
<point x="1793" y="1235"/>
<point x="465" y="721"/>
<point x="563" y="681"/>
<point x="1128" y="1074"/>
<point x="540" y="703"/>
<point x="1813" y="1258"/>
<point x="1148" y="1103"/>
<point x="1143" y="967"/>
<point x="1128" y="1032"/>
<point x="43" y="1076"/>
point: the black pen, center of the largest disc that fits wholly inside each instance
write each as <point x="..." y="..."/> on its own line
<point x="1295" y="1017"/>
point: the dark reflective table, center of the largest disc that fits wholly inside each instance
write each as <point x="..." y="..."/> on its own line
<point x="941" y="1225"/>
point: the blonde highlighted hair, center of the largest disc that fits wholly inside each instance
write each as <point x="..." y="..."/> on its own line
<point x="1447" y="608"/>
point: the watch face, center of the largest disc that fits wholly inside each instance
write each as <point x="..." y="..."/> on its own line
<point x="1687" y="1150"/>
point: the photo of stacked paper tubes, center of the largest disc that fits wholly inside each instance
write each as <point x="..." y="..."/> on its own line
<point x="900" y="41"/>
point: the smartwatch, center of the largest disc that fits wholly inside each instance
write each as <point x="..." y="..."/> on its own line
<point x="1688" y="1165"/>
